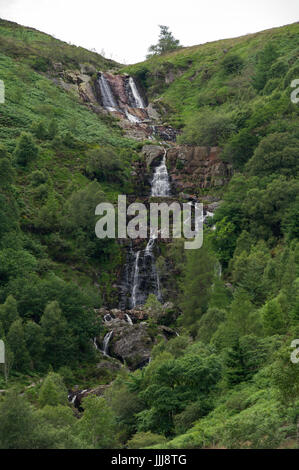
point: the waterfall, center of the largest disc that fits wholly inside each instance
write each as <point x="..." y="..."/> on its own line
<point x="137" y="98"/>
<point x="160" y="182"/>
<point x="108" y="100"/>
<point x="149" y="252"/>
<point x="129" y="319"/>
<point x="140" y="277"/>
<point x="95" y="344"/>
<point x="106" y="343"/>
<point x="132" y="118"/>
<point x="145" y="279"/>
<point x="150" y="245"/>
<point x="135" y="280"/>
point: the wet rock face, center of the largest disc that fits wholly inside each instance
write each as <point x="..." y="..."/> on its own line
<point x="136" y="314"/>
<point x="121" y="90"/>
<point x="197" y="167"/>
<point x="153" y="154"/>
<point x="76" y="396"/>
<point x="139" y="279"/>
<point x="166" y="133"/>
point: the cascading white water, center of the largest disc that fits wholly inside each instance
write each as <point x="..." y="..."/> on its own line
<point x="132" y="118"/>
<point x="149" y="252"/>
<point x="135" y="280"/>
<point x="160" y="182"/>
<point x="138" y="100"/>
<point x="95" y="343"/>
<point x="160" y="188"/>
<point x="106" y="343"/>
<point x="150" y="245"/>
<point x="107" y="96"/>
<point x="129" y="319"/>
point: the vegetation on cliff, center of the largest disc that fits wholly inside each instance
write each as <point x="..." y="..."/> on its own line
<point x="227" y="380"/>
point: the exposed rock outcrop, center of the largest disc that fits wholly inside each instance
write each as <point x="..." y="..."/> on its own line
<point x="132" y="344"/>
<point x="152" y="153"/>
<point x="76" y="396"/>
<point x="192" y="168"/>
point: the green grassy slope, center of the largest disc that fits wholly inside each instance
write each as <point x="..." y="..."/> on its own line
<point x="40" y="50"/>
<point x="41" y="201"/>
<point x="199" y="81"/>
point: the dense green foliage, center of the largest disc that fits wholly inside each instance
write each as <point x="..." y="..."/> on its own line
<point x="49" y="254"/>
<point x="227" y="379"/>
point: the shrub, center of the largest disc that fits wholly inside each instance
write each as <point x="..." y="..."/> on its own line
<point x="53" y="391"/>
<point x="26" y="150"/>
<point x="276" y="153"/>
<point x="105" y="165"/>
<point x="232" y="64"/>
<point x="142" y="440"/>
<point x="208" y="129"/>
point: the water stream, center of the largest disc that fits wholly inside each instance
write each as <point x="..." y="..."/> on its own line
<point x="108" y="99"/>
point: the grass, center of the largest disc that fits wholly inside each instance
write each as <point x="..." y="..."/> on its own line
<point x="199" y="77"/>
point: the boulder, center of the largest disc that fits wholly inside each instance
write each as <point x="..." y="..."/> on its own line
<point x="132" y="344"/>
<point x="152" y="112"/>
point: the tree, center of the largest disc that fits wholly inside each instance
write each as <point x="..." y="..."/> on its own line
<point x="196" y="285"/>
<point x="265" y="60"/>
<point x="166" y="43"/>
<point x="7" y="173"/>
<point x="17" y="343"/>
<point x="248" y="271"/>
<point x="53" y="392"/>
<point x="174" y="383"/>
<point x="58" y="341"/>
<point x="56" y="428"/>
<point x="17" y="424"/>
<point x="39" y="130"/>
<point x="153" y="307"/>
<point x="26" y="150"/>
<point x="97" y="427"/>
<point x="105" y="165"/>
<point x="235" y="367"/>
<point x="209" y="323"/>
<point x="273" y="317"/>
<point x="276" y="153"/>
<point x="8" y="312"/>
<point x="35" y="343"/>
<point x="208" y="128"/>
<point x="80" y="208"/>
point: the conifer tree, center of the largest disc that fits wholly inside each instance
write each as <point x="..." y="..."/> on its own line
<point x="235" y="367"/>
<point x="17" y="343"/>
<point x="166" y="43"/>
<point x="26" y="150"/>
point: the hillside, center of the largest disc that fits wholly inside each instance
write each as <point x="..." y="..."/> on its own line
<point x="142" y="344"/>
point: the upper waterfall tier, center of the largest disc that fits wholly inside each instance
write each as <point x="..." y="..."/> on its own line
<point x="120" y="93"/>
<point x="108" y="99"/>
<point x="160" y="182"/>
<point x="137" y="97"/>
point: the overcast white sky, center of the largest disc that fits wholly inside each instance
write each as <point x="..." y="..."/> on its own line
<point x="124" y="29"/>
